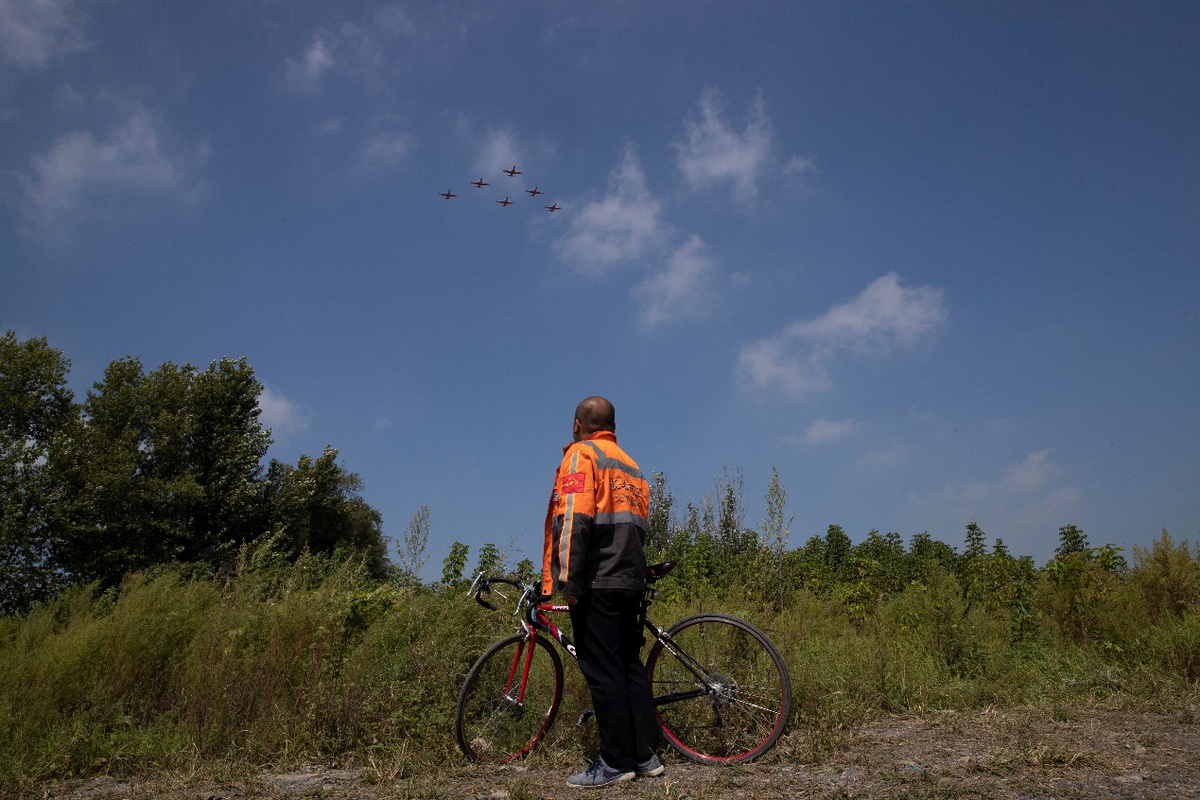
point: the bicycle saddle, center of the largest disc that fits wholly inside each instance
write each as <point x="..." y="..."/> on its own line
<point x="656" y="571"/>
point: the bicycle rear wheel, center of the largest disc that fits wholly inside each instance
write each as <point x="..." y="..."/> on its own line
<point x="495" y="720"/>
<point x="721" y="689"/>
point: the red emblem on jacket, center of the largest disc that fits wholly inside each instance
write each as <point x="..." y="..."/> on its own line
<point x="572" y="482"/>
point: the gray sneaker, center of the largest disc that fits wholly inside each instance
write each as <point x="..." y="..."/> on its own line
<point x="599" y="774"/>
<point x="652" y="767"/>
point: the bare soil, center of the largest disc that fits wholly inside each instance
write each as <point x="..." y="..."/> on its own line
<point x="1087" y="752"/>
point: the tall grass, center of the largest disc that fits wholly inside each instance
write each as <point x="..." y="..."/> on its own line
<point x="281" y="664"/>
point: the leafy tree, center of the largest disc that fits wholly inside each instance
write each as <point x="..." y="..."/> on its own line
<point x="972" y="566"/>
<point x="776" y="528"/>
<point x="317" y="507"/>
<point x="882" y="559"/>
<point x="928" y="556"/>
<point x="806" y="567"/>
<point x="836" y="550"/>
<point x="416" y="538"/>
<point x="1070" y="540"/>
<point x="1078" y="585"/>
<point x="1168" y="576"/>
<point x="166" y="468"/>
<point x="491" y="561"/>
<point x="36" y="407"/>
<point x="454" y="564"/>
<point x="658" y="523"/>
<point x="728" y="526"/>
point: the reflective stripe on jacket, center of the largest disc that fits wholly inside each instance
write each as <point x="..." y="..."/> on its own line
<point x="596" y="522"/>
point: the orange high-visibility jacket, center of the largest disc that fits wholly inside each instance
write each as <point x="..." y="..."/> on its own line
<point x="596" y="522"/>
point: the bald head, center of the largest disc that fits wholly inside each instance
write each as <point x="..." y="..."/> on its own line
<point x="595" y="414"/>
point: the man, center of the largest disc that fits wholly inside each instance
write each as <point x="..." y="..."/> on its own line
<point x="592" y="553"/>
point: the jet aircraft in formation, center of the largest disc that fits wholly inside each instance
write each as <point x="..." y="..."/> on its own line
<point x="511" y="172"/>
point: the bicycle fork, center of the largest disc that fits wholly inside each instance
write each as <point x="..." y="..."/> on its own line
<point x="522" y="661"/>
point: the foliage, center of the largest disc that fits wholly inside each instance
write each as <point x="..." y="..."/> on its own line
<point x="288" y="661"/>
<point x="164" y="597"/>
<point x="317" y="508"/>
<point x="36" y="408"/>
<point x="165" y="468"/>
<point x="413" y="555"/>
<point x="455" y="563"/>
<point x="1168" y="577"/>
<point x="152" y="469"/>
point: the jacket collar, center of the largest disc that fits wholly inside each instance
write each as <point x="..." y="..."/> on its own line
<point x="607" y="436"/>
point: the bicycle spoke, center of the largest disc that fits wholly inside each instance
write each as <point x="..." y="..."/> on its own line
<point x="491" y="724"/>
<point x="738" y="710"/>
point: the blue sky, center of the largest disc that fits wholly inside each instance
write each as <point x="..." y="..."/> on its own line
<point x="935" y="262"/>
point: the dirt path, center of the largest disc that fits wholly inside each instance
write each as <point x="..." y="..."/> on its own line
<point x="1073" y="753"/>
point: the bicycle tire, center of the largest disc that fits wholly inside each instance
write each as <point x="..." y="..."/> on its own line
<point x="741" y="710"/>
<point x="489" y="722"/>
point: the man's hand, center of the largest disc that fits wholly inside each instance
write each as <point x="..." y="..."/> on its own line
<point x="571" y="599"/>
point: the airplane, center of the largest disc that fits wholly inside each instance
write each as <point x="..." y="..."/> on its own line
<point x="533" y="192"/>
<point x="552" y="207"/>
<point x="479" y="184"/>
<point x="512" y="173"/>
<point x="505" y="202"/>
<point x="448" y="194"/>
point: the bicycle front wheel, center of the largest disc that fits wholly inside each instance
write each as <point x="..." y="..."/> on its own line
<point x="721" y="689"/>
<point x="502" y="714"/>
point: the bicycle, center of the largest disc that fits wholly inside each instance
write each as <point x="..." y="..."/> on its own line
<point x="721" y="689"/>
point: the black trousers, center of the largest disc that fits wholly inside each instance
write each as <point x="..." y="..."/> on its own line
<point x="608" y="640"/>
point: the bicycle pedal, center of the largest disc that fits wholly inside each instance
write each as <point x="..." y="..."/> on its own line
<point x="584" y="716"/>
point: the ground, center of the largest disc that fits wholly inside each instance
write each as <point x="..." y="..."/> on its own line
<point x="1088" y="752"/>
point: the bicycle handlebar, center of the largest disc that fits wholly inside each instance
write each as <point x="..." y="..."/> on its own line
<point x="532" y="592"/>
<point x="483" y="586"/>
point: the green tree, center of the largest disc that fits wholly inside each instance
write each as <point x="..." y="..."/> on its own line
<point x="166" y="468"/>
<point x="929" y="558"/>
<point x="1078" y="586"/>
<point x="836" y="550"/>
<point x="729" y="532"/>
<point x="1070" y="540"/>
<point x="658" y="523"/>
<point x="454" y="564"/>
<point x="882" y="559"/>
<point x="1168" y="577"/>
<point x="317" y="507"/>
<point x="775" y="529"/>
<point x="36" y="407"/>
<point x="491" y="560"/>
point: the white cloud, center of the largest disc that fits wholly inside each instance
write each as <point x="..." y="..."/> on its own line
<point x="883" y="457"/>
<point x="823" y="430"/>
<point x="34" y="31"/>
<point x="304" y="74"/>
<point x="684" y="288"/>
<point x="881" y="317"/>
<point x="620" y="227"/>
<point x="280" y="414"/>
<point x="714" y="153"/>
<point x="386" y="149"/>
<point x="140" y="156"/>
<point x="500" y="150"/>
<point x="366" y="52"/>
<point x="1031" y="474"/>
<point x="1021" y="506"/>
